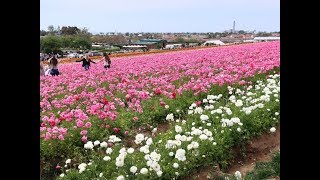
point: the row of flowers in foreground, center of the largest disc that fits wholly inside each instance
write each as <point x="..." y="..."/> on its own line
<point x="70" y="101"/>
<point x="212" y="126"/>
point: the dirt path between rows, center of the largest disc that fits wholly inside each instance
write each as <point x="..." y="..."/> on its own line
<point x="258" y="149"/>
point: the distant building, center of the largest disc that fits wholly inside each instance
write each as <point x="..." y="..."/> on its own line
<point x="264" y="39"/>
<point x="151" y="43"/>
<point x="213" y="42"/>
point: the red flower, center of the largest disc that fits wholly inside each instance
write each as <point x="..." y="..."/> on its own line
<point x="198" y="103"/>
<point x="62" y="118"/>
<point x="117" y="130"/>
<point x="105" y="101"/>
<point x="52" y="123"/>
<point x="58" y="167"/>
<point x="162" y="103"/>
<point x="174" y="95"/>
<point x="157" y="91"/>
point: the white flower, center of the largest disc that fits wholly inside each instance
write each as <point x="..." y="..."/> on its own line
<point x="103" y="144"/>
<point x="211" y="101"/>
<point x="189" y="146"/>
<point x="122" y="150"/>
<point x="190" y="111"/>
<point x="277" y="100"/>
<point x="166" y="106"/>
<point x="198" y="110"/>
<point x="120" y="177"/>
<point x="178" y="129"/>
<point x="195" y="145"/>
<point x="88" y="145"/>
<point x="203" y="137"/>
<point x="133" y="169"/>
<point x="177" y="110"/>
<point x="96" y="143"/>
<point x="205" y="100"/>
<point x="214" y="143"/>
<point x="144" y="171"/>
<point x="68" y="161"/>
<point x="176" y="173"/>
<point x="171" y="153"/>
<point x="170" y="117"/>
<point x="228" y="111"/>
<point x="208" y="124"/>
<point x="109" y="151"/>
<point x="130" y="150"/>
<point x="82" y="165"/>
<point x="81" y="170"/>
<point x="175" y="165"/>
<point x="276" y="113"/>
<point x="180" y="154"/>
<point x="239" y="129"/>
<point x="119" y="163"/>
<point x="89" y="163"/>
<point x="183" y="121"/>
<point x="272" y="129"/>
<point x="193" y="123"/>
<point x="159" y="173"/>
<point x="139" y="138"/>
<point x="239" y="103"/>
<point x="62" y="175"/>
<point x="154" y="130"/>
<point x="204" y="117"/>
<point x="149" y="141"/>
<point x="106" y="158"/>
<point x="237" y="174"/>
<point x="219" y="111"/>
<point x="101" y="174"/>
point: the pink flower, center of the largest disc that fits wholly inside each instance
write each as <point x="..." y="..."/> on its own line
<point x="126" y="132"/>
<point x="107" y="126"/>
<point x="79" y="123"/>
<point x="88" y="124"/>
<point x="83" y="132"/>
<point x="135" y="118"/>
<point x="162" y="103"/>
<point x="84" y="139"/>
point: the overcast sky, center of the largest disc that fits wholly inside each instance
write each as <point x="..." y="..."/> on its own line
<point x="161" y="16"/>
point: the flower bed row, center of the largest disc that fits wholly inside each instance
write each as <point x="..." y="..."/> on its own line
<point x="205" y="135"/>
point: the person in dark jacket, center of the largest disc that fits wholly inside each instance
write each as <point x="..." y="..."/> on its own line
<point x="86" y="62"/>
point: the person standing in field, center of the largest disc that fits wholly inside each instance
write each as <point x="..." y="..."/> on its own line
<point x="106" y="60"/>
<point x="53" y="66"/>
<point x="86" y="62"/>
<point x="42" y="73"/>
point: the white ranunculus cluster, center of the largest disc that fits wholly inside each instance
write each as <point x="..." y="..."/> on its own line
<point x="198" y="110"/>
<point x="104" y="144"/>
<point x="237" y="175"/>
<point x="82" y="167"/>
<point x="193" y="145"/>
<point x="204" y="117"/>
<point x="178" y="129"/>
<point x="139" y="138"/>
<point x="88" y="145"/>
<point x="121" y="157"/>
<point x="145" y="149"/>
<point x="109" y="151"/>
<point x="114" y="139"/>
<point x="181" y="155"/>
<point x="170" y="117"/>
<point x="230" y="122"/>
<point x="152" y="161"/>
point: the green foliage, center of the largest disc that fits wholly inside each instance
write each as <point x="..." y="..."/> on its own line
<point x="264" y="170"/>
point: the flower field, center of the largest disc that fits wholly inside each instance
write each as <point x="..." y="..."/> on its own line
<point x="157" y="116"/>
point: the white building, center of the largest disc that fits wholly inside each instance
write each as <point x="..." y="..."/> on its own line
<point x="213" y="42"/>
<point x="263" y="39"/>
